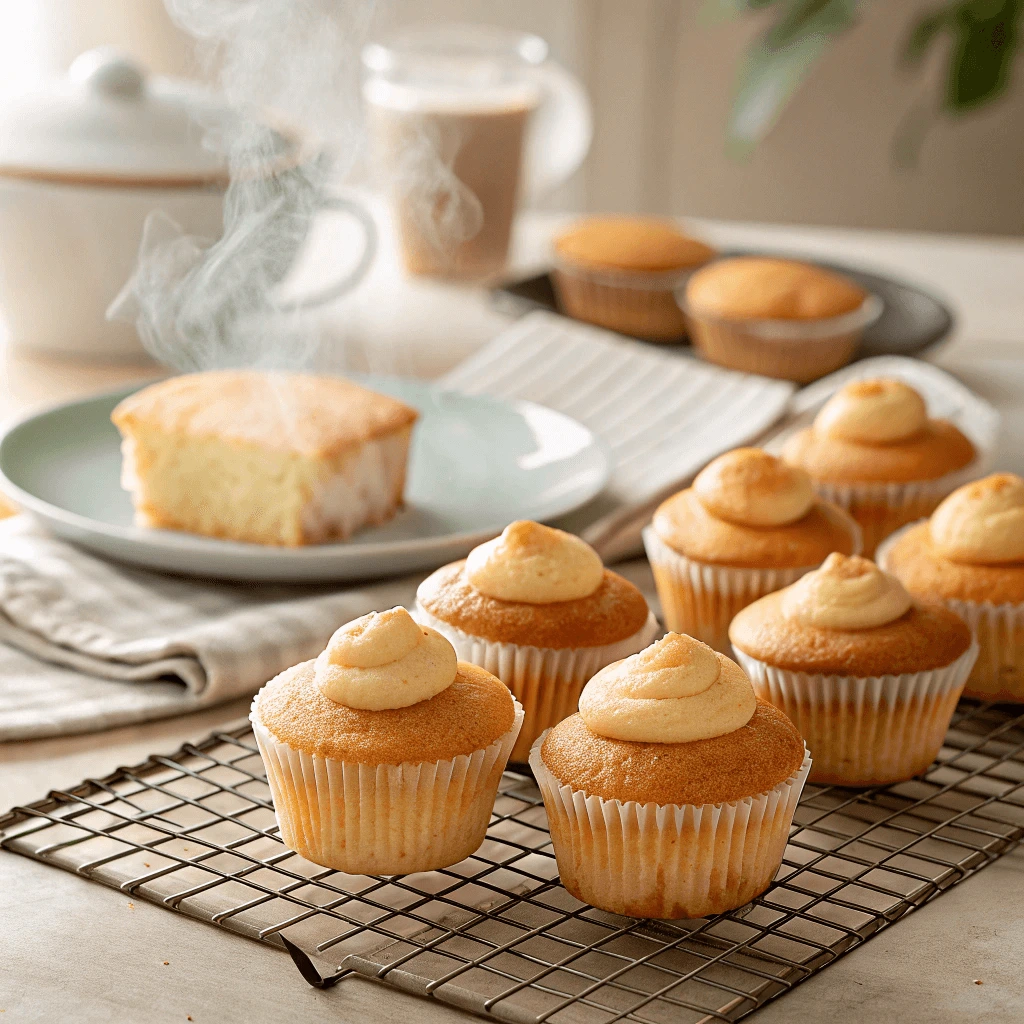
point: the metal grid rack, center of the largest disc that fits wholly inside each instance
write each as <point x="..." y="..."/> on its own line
<point x="497" y="934"/>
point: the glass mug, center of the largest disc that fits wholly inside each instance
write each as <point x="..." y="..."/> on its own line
<point x="465" y="121"/>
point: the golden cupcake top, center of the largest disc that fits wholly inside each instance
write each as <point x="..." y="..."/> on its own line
<point x="982" y="523"/>
<point x="535" y="564"/>
<point x="878" y="431"/>
<point x="644" y="244"/>
<point x="676" y="691"/>
<point x="385" y="660"/>
<point x="750" y="487"/>
<point x="873" y="412"/>
<point x="750" y="509"/>
<point x="763" y="288"/>
<point x="845" y="593"/>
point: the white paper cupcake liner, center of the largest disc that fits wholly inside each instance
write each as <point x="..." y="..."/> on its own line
<point x="383" y="819"/>
<point x="998" y="674"/>
<point x="546" y="681"/>
<point x="667" y="860"/>
<point x="701" y="599"/>
<point x="866" y="730"/>
<point x="882" y="508"/>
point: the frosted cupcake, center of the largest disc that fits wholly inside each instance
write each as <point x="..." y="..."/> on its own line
<point x="749" y="525"/>
<point x="385" y="753"/>
<point x="970" y="556"/>
<point x="868" y="676"/>
<point x="873" y="450"/>
<point x="671" y="793"/>
<point x="537" y="608"/>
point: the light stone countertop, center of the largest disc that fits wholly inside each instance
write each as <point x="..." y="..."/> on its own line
<point x="73" y="950"/>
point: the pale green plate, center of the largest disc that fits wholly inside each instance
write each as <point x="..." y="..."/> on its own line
<point x="477" y="463"/>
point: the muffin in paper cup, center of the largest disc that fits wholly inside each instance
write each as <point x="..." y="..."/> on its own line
<point x="667" y="861"/>
<point x="749" y="525"/>
<point x="384" y="819"/>
<point x="546" y="682"/>
<point x="622" y="273"/>
<point x="384" y="754"/>
<point x="866" y="731"/>
<point x="672" y="792"/>
<point x="868" y="676"/>
<point x="536" y="608"/>
<point x="873" y="450"/>
<point x="970" y="556"/>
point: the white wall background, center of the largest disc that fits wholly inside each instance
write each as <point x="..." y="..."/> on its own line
<point x="661" y="80"/>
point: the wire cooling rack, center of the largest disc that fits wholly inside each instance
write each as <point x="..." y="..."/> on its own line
<point x="497" y="934"/>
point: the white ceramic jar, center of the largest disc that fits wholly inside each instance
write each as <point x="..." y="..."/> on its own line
<point x="82" y="165"/>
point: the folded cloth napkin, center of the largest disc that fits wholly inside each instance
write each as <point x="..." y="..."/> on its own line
<point x="75" y="629"/>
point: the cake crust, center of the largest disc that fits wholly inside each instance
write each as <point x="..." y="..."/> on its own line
<point x="467" y="716"/>
<point x="926" y="573"/>
<point x="645" y="244"/>
<point x="300" y="413"/>
<point x="751" y="760"/>
<point x="687" y="527"/>
<point x="926" y="637"/>
<point x="940" y="448"/>
<point x="615" y="611"/>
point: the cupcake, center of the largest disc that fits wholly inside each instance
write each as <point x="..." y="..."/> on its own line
<point x="970" y="556"/>
<point x="779" y="318"/>
<point x="537" y="608"/>
<point x="873" y="450"/>
<point x="749" y="525"/>
<point x="671" y="793"/>
<point x="870" y="677"/>
<point x="622" y="272"/>
<point x="385" y="753"/>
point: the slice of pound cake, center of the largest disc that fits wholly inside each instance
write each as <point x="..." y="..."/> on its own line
<point x="263" y="457"/>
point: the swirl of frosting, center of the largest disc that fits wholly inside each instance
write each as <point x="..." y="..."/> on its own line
<point x="982" y="523"/>
<point x="873" y="412"/>
<point x="676" y="691"/>
<point x="535" y="564"/>
<point x="752" y="488"/>
<point x="385" y="660"/>
<point x="846" y="592"/>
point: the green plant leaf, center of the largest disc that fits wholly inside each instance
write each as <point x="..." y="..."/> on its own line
<point x="927" y="30"/>
<point x="778" y="62"/>
<point x="982" y="58"/>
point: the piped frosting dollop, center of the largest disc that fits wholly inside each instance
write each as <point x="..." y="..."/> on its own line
<point x="385" y="660"/>
<point x="982" y="523"/>
<point x="846" y="592"/>
<point x="535" y="564"/>
<point x="873" y="412"/>
<point x="750" y="487"/>
<point x="676" y="691"/>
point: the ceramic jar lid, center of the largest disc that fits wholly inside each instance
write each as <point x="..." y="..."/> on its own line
<point x="109" y="123"/>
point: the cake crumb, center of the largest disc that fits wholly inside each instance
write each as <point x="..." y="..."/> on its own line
<point x="131" y="906"/>
<point x="167" y="963"/>
<point x="145" y="863"/>
<point x="978" y="981"/>
<point x="189" y="1017"/>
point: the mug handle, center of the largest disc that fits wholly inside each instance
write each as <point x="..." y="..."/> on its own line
<point x="334" y="291"/>
<point x="560" y="133"/>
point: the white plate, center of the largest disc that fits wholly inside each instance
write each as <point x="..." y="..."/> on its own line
<point x="477" y="463"/>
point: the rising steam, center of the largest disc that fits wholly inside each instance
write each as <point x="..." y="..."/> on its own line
<point x="202" y="304"/>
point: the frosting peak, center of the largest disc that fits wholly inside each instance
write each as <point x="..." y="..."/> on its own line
<point x="846" y="592"/>
<point x="982" y="523"/>
<point x="752" y="488"/>
<point x="535" y="564"/>
<point x="873" y="412"/>
<point x="676" y="691"/>
<point x="385" y="660"/>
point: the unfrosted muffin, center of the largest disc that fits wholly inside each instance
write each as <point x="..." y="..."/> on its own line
<point x="622" y="272"/>
<point x="970" y="556"/>
<point x="749" y="525"/>
<point x="671" y="793"/>
<point x="776" y="317"/>
<point x="261" y="457"/>
<point x="869" y="677"/>
<point x="537" y="608"/>
<point x="874" y="450"/>
<point x="385" y="753"/>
